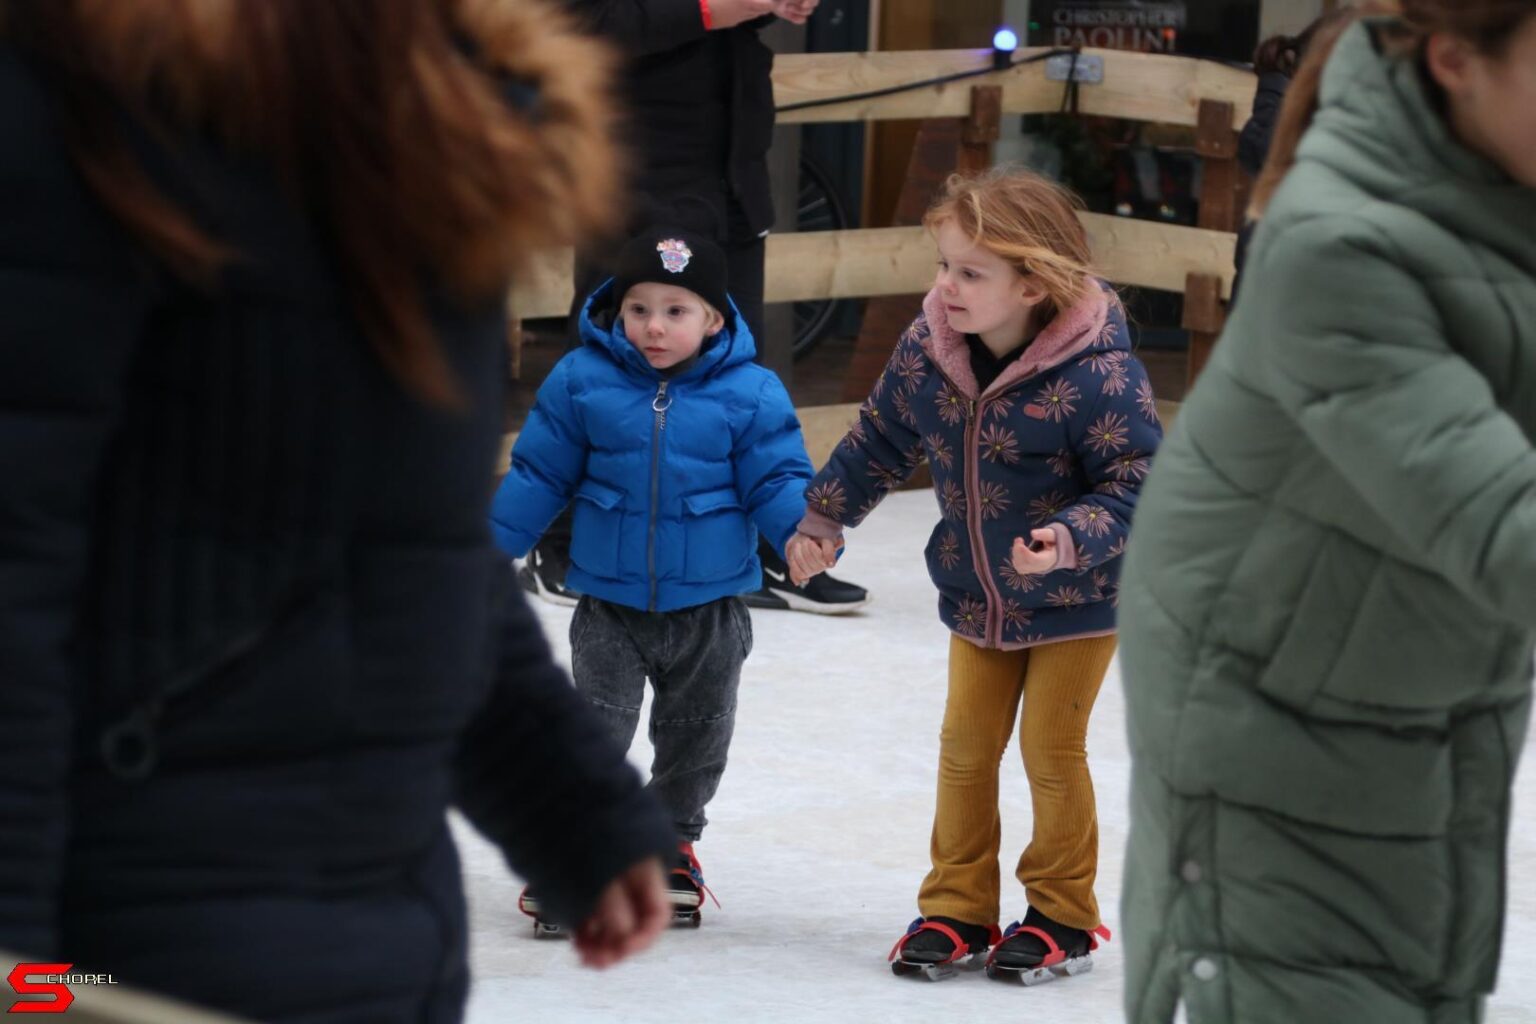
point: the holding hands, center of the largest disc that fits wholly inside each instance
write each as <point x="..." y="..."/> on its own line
<point x="1036" y="557"/>
<point x="807" y="556"/>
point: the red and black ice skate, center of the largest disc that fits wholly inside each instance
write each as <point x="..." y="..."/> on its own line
<point x="938" y="947"/>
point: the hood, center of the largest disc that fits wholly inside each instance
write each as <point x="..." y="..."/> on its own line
<point x="1380" y="127"/>
<point x="600" y="329"/>
<point x="1095" y="322"/>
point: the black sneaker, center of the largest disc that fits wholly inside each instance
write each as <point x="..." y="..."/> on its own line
<point x="543" y="575"/>
<point x="822" y="594"/>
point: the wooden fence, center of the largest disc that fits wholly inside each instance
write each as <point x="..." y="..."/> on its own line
<point x="1210" y="97"/>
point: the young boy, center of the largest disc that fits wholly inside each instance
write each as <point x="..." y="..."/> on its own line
<point x="677" y="449"/>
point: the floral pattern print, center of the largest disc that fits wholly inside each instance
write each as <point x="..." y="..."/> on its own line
<point x="1108" y="434"/>
<point x="1045" y="508"/>
<point x="951" y="405"/>
<point x="948" y="552"/>
<point x="1067" y="447"/>
<point x="1059" y="399"/>
<point x="999" y="444"/>
<point x="1090" y="519"/>
<point x="952" y="498"/>
<point x="971" y="617"/>
<point x="828" y="498"/>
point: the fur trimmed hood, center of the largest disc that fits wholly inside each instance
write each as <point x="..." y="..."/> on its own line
<point x="1068" y="335"/>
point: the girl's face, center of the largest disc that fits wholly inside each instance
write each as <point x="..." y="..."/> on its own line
<point x="1492" y="98"/>
<point x="666" y="323"/>
<point x="982" y="293"/>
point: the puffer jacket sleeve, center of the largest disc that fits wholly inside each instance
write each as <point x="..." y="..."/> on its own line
<point x="878" y="454"/>
<point x="74" y="310"/>
<point x="771" y="465"/>
<point x="1364" y="363"/>
<point x="547" y="463"/>
<point x="1113" y="444"/>
<point x="538" y="774"/>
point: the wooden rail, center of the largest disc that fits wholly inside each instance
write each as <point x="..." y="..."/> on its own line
<point x="1137" y="86"/>
<point x="900" y="261"/>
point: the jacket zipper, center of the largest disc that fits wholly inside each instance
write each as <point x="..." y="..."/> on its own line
<point x="659" y="405"/>
<point x="993" y="631"/>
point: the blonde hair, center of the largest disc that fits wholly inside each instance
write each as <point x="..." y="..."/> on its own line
<point x="1029" y="221"/>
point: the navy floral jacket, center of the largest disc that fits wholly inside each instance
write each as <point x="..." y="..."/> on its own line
<point x="1061" y="439"/>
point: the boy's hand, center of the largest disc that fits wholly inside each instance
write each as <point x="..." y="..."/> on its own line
<point x="807" y="556"/>
<point x="1037" y="558"/>
<point x="730" y="13"/>
<point x="796" y="12"/>
<point x="630" y="913"/>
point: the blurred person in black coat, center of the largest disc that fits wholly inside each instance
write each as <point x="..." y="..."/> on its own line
<point x="254" y="640"/>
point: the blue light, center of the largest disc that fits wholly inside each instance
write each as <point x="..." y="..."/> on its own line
<point x="1005" y="40"/>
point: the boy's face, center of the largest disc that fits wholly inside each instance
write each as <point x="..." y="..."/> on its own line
<point x="666" y="323"/>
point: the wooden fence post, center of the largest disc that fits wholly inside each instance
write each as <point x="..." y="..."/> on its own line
<point x="1220" y="210"/>
<point x="980" y="129"/>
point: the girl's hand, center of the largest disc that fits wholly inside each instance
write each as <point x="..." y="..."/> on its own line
<point x="807" y="556"/>
<point x="630" y="913"/>
<point x="1037" y="558"/>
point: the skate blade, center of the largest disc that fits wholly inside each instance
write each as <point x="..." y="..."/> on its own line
<point x="546" y="930"/>
<point x="1032" y="976"/>
<point x="936" y="972"/>
<point x="685" y="918"/>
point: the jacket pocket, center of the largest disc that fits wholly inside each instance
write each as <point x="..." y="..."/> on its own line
<point x="1416" y="645"/>
<point x="718" y="537"/>
<point x="597" y="526"/>
<point x="1321" y="623"/>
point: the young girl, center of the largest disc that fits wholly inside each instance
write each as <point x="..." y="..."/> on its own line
<point x="1018" y="386"/>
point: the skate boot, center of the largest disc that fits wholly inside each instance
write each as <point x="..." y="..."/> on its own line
<point x="528" y="903"/>
<point x="1037" y="950"/>
<point x="686" y="889"/>
<point x="940" y="947"/>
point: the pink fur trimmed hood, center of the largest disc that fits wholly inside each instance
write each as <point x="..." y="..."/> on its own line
<point x="1068" y="335"/>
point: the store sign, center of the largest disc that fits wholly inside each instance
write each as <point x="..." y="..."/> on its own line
<point x="1110" y="24"/>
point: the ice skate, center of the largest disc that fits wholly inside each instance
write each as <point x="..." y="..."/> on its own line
<point x="937" y="948"/>
<point x="686" y="889"/>
<point x="1037" y="949"/>
<point x="528" y="903"/>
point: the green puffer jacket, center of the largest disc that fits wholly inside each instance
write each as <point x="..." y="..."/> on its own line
<point x="1329" y="599"/>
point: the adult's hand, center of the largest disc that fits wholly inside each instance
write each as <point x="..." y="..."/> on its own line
<point x="730" y="13"/>
<point x="630" y="913"/>
<point x="797" y="12"/>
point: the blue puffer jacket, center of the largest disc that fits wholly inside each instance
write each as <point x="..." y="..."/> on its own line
<point x="672" y="479"/>
<point x="1061" y="439"/>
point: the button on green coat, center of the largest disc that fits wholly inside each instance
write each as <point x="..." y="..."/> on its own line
<point x="1327" y="615"/>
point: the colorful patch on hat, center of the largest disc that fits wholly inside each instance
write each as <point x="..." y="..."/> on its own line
<point x="675" y="254"/>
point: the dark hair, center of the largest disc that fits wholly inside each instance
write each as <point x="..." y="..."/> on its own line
<point x="395" y="123"/>
<point x="1487" y="24"/>
<point x="1283" y="53"/>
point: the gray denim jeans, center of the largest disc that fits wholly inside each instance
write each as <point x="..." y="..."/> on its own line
<point x="693" y="658"/>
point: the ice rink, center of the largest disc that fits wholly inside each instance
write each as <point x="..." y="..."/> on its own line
<point x="819" y="837"/>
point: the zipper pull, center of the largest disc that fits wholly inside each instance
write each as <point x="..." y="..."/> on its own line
<point x="660" y="404"/>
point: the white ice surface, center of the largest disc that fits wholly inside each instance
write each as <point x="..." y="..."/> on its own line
<point x="818" y="839"/>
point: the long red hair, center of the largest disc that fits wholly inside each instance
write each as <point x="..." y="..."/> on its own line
<point x="390" y="120"/>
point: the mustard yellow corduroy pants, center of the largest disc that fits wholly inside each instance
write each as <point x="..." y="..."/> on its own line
<point x="1058" y="684"/>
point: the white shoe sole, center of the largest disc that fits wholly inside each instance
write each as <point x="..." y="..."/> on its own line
<point x="800" y="603"/>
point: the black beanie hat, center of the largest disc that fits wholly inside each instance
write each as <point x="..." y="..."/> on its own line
<point x="677" y="256"/>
